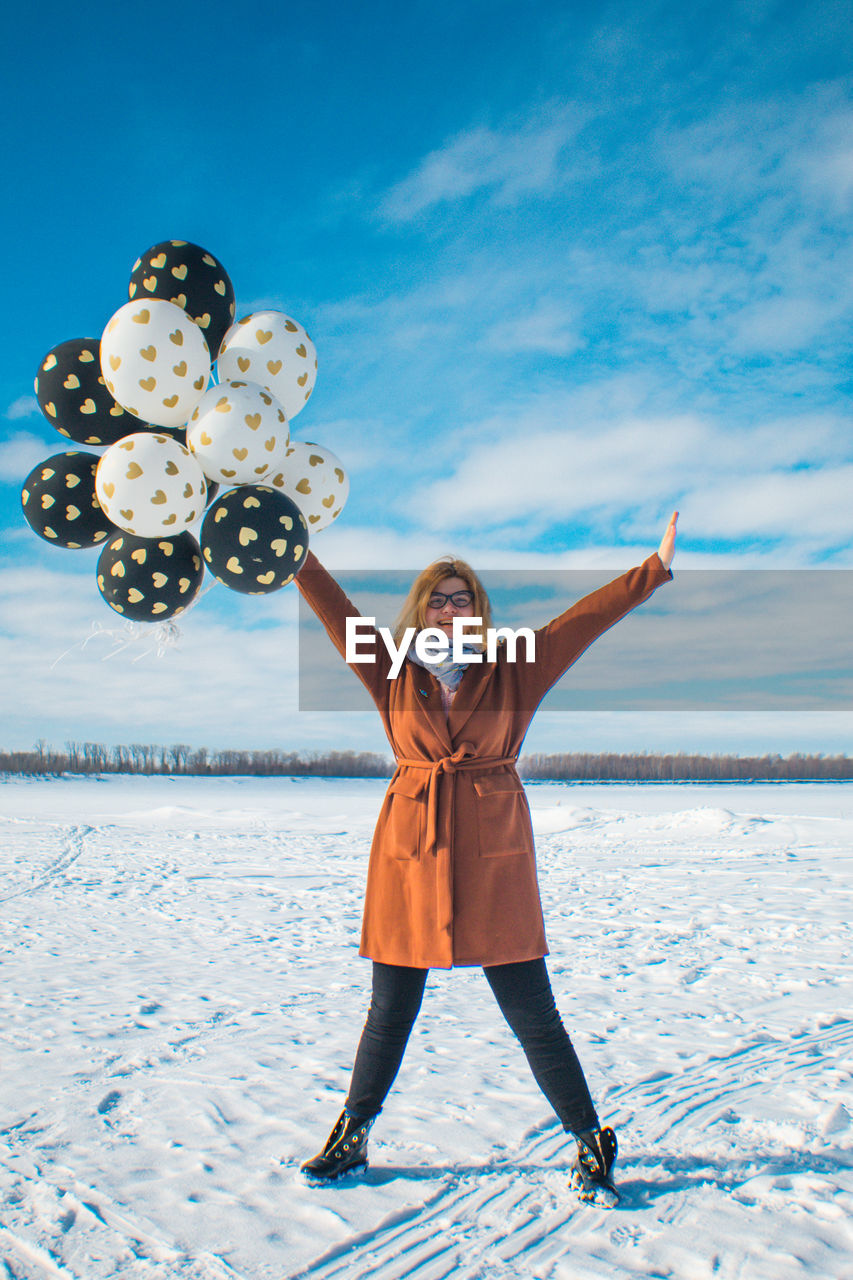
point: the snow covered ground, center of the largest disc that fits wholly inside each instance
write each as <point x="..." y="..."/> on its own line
<point x="182" y="996"/>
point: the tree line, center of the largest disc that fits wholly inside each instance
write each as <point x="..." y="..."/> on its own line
<point x="183" y="760"/>
<point x="683" y="767"/>
<point x="187" y="761"/>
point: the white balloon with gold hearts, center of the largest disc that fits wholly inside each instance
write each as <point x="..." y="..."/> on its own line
<point x="149" y="485"/>
<point x="315" y="479"/>
<point x="273" y="350"/>
<point x="238" y="431"/>
<point x="155" y="361"/>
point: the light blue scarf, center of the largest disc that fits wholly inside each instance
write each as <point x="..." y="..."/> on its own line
<point x="446" y="671"/>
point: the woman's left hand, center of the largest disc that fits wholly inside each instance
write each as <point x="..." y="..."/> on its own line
<point x="666" y="550"/>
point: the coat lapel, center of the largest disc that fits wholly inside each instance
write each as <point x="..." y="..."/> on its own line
<point x="426" y="694"/>
<point x="470" y="691"/>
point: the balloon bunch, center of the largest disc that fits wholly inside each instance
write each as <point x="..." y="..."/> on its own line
<point x="171" y="436"/>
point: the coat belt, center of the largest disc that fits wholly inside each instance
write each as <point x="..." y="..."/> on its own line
<point x="463" y="759"/>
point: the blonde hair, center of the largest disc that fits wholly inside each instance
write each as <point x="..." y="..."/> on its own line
<point x="413" y="612"/>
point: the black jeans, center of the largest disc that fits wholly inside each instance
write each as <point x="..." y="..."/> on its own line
<point x="523" y="992"/>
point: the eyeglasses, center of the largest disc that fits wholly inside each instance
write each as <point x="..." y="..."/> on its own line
<point x="460" y="599"/>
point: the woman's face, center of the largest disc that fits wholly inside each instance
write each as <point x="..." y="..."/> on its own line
<point x="441" y="609"/>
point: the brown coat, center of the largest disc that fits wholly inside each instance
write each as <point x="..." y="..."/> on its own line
<point x="452" y="873"/>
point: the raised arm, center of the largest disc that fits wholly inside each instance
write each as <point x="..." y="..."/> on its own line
<point x="561" y="642"/>
<point x="319" y="589"/>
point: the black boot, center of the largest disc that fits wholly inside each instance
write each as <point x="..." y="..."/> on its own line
<point x="591" y="1178"/>
<point x="345" y="1149"/>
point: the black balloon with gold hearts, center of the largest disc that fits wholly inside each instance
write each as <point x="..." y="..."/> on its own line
<point x="74" y="398"/>
<point x="254" y="539"/>
<point x="194" y="279"/>
<point x="59" y="502"/>
<point x="150" y="579"/>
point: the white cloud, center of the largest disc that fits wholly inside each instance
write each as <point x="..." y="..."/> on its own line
<point x="510" y="163"/>
<point x="21" y="452"/>
<point x="600" y="464"/>
<point x="547" y="328"/>
<point x="23" y="407"/>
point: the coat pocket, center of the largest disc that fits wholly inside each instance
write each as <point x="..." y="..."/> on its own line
<point x="405" y="821"/>
<point x="503" y="816"/>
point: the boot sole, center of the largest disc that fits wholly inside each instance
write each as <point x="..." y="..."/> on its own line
<point x="322" y="1179"/>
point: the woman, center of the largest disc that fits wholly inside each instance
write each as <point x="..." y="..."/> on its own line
<point x="452" y="872"/>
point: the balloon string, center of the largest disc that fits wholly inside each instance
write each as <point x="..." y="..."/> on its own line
<point x="165" y="635"/>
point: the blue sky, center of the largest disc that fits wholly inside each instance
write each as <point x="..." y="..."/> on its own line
<point x="567" y="267"/>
